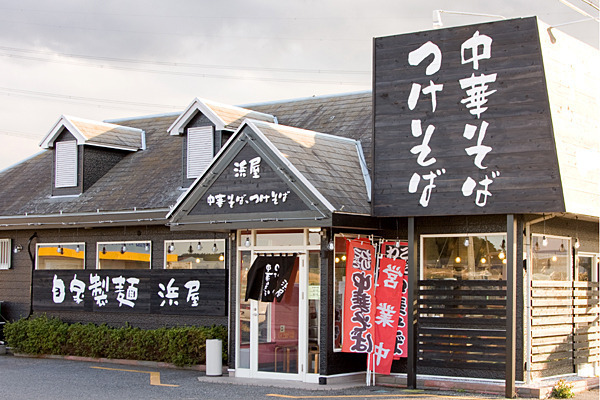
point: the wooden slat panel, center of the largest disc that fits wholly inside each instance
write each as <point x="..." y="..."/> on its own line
<point x="552" y="356"/>
<point x="551" y="365"/>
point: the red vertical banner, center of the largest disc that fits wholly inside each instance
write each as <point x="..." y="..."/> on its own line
<point x="387" y="311"/>
<point x="359" y="297"/>
<point x="390" y="250"/>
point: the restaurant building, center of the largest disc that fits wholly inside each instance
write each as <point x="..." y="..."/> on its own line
<point x="474" y="156"/>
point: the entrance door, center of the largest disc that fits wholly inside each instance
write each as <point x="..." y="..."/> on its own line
<point x="271" y="343"/>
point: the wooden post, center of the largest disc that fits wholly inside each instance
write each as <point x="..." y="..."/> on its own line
<point x="511" y="301"/>
<point x="411" y="362"/>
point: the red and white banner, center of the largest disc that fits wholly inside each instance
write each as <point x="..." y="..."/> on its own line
<point x="387" y="312"/>
<point x="359" y="297"/>
<point x="390" y="250"/>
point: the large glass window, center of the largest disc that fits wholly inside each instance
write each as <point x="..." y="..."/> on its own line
<point x="466" y="257"/>
<point x="551" y="258"/>
<point x="60" y="256"/>
<point x="195" y="254"/>
<point x="124" y="255"/>
<point x="314" y="310"/>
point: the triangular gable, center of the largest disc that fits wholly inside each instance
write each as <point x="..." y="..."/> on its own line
<point x="250" y="184"/>
<point x="223" y="116"/>
<point x="96" y="133"/>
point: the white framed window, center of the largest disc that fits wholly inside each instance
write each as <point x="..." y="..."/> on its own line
<point x="199" y="150"/>
<point x="5" y="255"/>
<point x="60" y="256"/>
<point x="65" y="164"/>
<point x="124" y="255"/>
<point x="195" y="254"/>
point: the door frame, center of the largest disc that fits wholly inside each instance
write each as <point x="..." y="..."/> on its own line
<point x="302" y="252"/>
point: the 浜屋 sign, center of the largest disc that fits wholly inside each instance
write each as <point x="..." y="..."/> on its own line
<point x="462" y="123"/>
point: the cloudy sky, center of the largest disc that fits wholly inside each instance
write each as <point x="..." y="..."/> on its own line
<point x="119" y="58"/>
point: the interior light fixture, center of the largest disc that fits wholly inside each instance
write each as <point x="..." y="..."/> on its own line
<point x="103" y="249"/>
<point x="483" y="260"/>
<point x="59" y="249"/>
<point x="457" y="260"/>
<point x="554" y="258"/>
<point x="337" y="260"/>
<point x="123" y="248"/>
<point x="344" y="257"/>
<point x="577" y="244"/>
<point x="247" y="242"/>
<point x="147" y="247"/>
<point x="190" y="249"/>
<point x="330" y="245"/>
<point x="537" y="246"/>
<point x="221" y="257"/>
<point x="199" y="246"/>
<point x="198" y="260"/>
<point x="215" y="248"/>
<point x="501" y="255"/>
<point x="171" y="247"/>
<point x="544" y="241"/>
<point x="77" y="249"/>
<point x="562" y="248"/>
<point x="466" y="243"/>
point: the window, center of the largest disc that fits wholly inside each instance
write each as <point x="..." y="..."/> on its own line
<point x="195" y="254"/>
<point x="199" y="150"/>
<point x="339" y="285"/>
<point x="464" y="257"/>
<point x="5" y="255"/>
<point x="551" y="258"/>
<point x="60" y="256"/>
<point x="124" y="255"/>
<point x="65" y="165"/>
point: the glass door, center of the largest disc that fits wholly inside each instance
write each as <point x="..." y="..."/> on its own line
<point x="280" y="340"/>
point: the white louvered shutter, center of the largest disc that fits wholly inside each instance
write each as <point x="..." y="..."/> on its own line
<point x="65" y="173"/>
<point x="199" y="150"/>
<point x="5" y="251"/>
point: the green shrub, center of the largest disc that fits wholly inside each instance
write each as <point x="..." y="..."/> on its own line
<point x="563" y="390"/>
<point x="180" y="345"/>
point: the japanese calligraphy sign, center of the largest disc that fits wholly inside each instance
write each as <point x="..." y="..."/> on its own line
<point x="359" y="297"/>
<point x="247" y="185"/>
<point x="388" y="294"/>
<point x="198" y="292"/>
<point x="461" y="113"/>
<point x="268" y="278"/>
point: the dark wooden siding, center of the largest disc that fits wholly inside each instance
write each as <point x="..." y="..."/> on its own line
<point x="97" y="161"/>
<point x="519" y="132"/>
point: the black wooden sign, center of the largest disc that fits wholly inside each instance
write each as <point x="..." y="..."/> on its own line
<point x="462" y="123"/>
<point x="195" y="292"/>
<point x="248" y="185"/>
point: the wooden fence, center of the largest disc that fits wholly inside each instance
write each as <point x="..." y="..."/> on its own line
<point x="564" y="326"/>
<point x="462" y="325"/>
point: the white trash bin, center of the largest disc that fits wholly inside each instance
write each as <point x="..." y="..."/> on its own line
<point x="214" y="357"/>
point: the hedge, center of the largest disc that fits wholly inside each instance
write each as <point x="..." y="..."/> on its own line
<point x="182" y="346"/>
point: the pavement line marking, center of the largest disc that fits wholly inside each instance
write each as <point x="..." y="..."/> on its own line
<point x="154" y="376"/>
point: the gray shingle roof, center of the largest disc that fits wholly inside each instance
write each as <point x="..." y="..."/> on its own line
<point x="151" y="178"/>
<point x="330" y="163"/>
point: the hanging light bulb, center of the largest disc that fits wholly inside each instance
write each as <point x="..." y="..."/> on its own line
<point x="199" y="246"/>
<point x="103" y="249"/>
<point x="215" y="248"/>
<point x="562" y="248"/>
<point x="147" y="247"/>
<point x="577" y="244"/>
<point x="330" y="245"/>
<point x="247" y="241"/>
<point x="171" y="247"/>
<point x="544" y="241"/>
<point x="344" y="257"/>
<point x="221" y="257"/>
<point x="501" y="255"/>
<point x="483" y="260"/>
<point x="537" y="246"/>
<point x="466" y="242"/>
<point x="397" y="243"/>
<point x="190" y="249"/>
<point x="198" y="260"/>
<point x="554" y="258"/>
<point x="123" y="248"/>
<point x="59" y="249"/>
<point x="457" y="260"/>
<point x="77" y="249"/>
<point x="337" y="260"/>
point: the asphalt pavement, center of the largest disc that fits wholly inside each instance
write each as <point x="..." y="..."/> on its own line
<point x="24" y="378"/>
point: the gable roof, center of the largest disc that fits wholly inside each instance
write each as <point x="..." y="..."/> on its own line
<point x="125" y="194"/>
<point x="223" y="116"/>
<point x="326" y="172"/>
<point x="96" y="133"/>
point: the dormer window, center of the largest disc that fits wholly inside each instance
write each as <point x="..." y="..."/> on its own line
<point x="199" y="150"/>
<point x="65" y="173"/>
